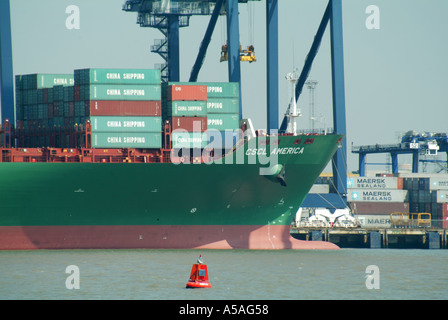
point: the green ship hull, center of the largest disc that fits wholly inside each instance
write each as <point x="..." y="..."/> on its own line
<point x="247" y="199"/>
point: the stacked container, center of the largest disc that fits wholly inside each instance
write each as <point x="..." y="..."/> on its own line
<point x="38" y="98"/>
<point x="373" y="199"/>
<point x="223" y="118"/>
<point x="428" y="194"/>
<point x="220" y="107"/>
<point x="123" y="106"/>
<point x="185" y="106"/>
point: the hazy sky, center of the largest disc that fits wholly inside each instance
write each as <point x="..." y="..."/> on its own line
<point x="396" y="77"/>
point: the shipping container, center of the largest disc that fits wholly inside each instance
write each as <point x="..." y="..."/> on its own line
<point x="126" y="124"/>
<point x="223" y="105"/>
<point x="69" y="109"/>
<point x="126" y="139"/>
<point x="188" y="139"/>
<point x="19" y="112"/>
<point x="76" y="92"/>
<point x="119" y="92"/>
<point x="223" y="122"/>
<point x="222" y="139"/>
<point x="445" y="215"/>
<point x="186" y="108"/>
<point x="29" y="96"/>
<point x="385" y="175"/>
<point x="41" y="80"/>
<point x="80" y="108"/>
<point x="424" y="196"/>
<point x="374" y="221"/>
<point x="58" y="108"/>
<point x="423" y="207"/>
<point x="69" y="93"/>
<point x="116" y="76"/>
<point x="439" y="196"/>
<point x="410" y="183"/>
<point x="42" y="95"/>
<point x="216" y="89"/>
<point x="423" y="175"/>
<point x="391" y="195"/>
<point x="124" y="108"/>
<point x="186" y="92"/>
<point x="433" y="183"/>
<point x="413" y="207"/>
<point x="42" y="111"/>
<point x="360" y="207"/>
<point x="58" y="93"/>
<point x="438" y="183"/>
<point x="375" y="183"/>
<point x="191" y="124"/>
<point x="222" y="89"/>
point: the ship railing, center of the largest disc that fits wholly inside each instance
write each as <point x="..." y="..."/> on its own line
<point x="323" y="131"/>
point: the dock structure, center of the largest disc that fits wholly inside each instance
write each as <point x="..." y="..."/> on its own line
<point x="423" y="238"/>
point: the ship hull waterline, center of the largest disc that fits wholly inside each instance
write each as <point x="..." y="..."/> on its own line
<point x="159" y="205"/>
<point x="154" y="237"/>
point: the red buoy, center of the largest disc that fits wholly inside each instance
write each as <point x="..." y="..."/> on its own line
<point x="199" y="276"/>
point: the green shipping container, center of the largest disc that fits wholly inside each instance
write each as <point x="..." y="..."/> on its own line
<point x="223" y="122"/>
<point x="127" y="139"/>
<point x="223" y="105"/>
<point x="120" y="92"/>
<point x="116" y="76"/>
<point x="43" y="80"/>
<point x="189" y="140"/>
<point x="216" y="89"/>
<point x="126" y="124"/>
<point x="186" y="108"/>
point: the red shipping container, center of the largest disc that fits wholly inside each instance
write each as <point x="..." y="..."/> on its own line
<point x="360" y="207"/>
<point x="399" y="183"/>
<point x="186" y="92"/>
<point x="76" y="93"/>
<point x="189" y="123"/>
<point x="445" y="215"/>
<point x="125" y="108"/>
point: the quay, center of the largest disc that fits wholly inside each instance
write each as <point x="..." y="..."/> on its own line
<point x="400" y="238"/>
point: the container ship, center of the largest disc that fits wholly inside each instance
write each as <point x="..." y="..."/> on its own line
<point x="113" y="158"/>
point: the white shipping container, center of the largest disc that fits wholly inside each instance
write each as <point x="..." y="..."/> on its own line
<point x="374" y="221"/>
<point x="392" y="195"/>
<point x="375" y="183"/>
<point x="423" y="175"/>
<point x="438" y="183"/>
<point x="440" y="196"/>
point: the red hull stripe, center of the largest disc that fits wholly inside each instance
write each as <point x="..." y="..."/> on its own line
<point x="153" y="237"/>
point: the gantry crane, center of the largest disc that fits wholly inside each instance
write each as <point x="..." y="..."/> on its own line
<point x="168" y="16"/>
<point x="414" y="143"/>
